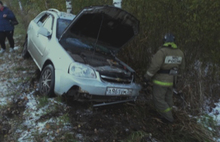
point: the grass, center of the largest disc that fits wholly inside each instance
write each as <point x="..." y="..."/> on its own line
<point x="59" y="99"/>
<point x="184" y="128"/>
<point x="137" y="137"/>
<point x="20" y="69"/>
<point x="209" y="123"/>
<point x="42" y="101"/>
<point x="63" y="119"/>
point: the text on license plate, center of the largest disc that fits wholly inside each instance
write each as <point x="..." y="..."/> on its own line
<point x="118" y="91"/>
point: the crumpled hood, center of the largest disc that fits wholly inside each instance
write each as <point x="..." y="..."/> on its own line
<point x="107" y="26"/>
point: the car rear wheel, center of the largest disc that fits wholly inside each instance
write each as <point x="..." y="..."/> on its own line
<point x="47" y="81"/>
<point x="25" y="53"/>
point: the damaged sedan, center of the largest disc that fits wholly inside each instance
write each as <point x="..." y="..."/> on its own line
<point x="76" y="54"/>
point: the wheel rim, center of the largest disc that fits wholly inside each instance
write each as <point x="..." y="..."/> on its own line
<point x="46" y="81"/>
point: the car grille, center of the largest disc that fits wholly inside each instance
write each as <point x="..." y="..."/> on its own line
<point x="116" y="78"/>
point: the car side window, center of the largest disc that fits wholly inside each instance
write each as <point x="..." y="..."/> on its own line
<point x="42" y="20"/>
<point x="48" y="23"/>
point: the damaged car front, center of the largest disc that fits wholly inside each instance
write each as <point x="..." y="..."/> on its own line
<point x="92" y="39"/>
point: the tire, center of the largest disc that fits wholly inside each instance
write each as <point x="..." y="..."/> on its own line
<point x="47" y="81"/>
<point x="25" y="54"/>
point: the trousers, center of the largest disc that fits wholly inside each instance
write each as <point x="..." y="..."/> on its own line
<point x="163" y="101"/>
<point x="9" y="36"/>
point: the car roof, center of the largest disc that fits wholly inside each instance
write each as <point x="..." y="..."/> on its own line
<point x="61" y="14"/>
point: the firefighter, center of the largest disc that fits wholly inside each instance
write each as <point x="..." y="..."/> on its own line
<point x="166" y="64"/>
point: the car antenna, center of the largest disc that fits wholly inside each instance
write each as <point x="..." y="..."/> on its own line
<point x="98" y="33"/>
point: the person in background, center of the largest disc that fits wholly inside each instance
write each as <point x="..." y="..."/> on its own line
<point x="166" y="64"/>
<point x="6" y="29"/>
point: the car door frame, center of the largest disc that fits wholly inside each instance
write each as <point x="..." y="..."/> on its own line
<point x="39" y="41"/>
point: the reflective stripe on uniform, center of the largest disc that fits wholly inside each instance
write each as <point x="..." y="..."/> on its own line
<point x="168" y="109"/>
<point x="163" y="83"/>
<point x="150" y="74"/>
<point x="172" y="44"/>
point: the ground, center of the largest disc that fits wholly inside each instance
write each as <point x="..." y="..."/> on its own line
<point x="26" y="116"/>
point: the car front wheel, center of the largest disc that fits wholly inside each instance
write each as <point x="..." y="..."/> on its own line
<point x="25" y="53"/>
<point x="47" y="81"/>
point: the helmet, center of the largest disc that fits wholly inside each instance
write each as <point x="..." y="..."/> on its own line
<point x="169" y="38"/>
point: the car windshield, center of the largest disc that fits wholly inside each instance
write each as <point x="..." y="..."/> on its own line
<point x="61" y="26"/>
<point x="79" y="43"/>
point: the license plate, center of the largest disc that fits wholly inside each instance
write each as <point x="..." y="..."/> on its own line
<point x="118" y="91"/>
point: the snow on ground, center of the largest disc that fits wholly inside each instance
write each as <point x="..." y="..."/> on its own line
<point x="5" y="82"/>
<point x="216" y="116"/>
<point x="32" y="114"/>
<point x="13" y="68"/>
<point x="215" y="113"/>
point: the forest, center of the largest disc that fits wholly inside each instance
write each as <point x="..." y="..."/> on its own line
<point x="195" y="24"/>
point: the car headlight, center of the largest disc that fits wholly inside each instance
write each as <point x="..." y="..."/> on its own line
<point x="81" y="70"/>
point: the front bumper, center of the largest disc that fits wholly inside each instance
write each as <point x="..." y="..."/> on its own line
<point x="94" y="87"/>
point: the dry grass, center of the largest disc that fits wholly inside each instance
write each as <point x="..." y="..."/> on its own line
<point x="184" y="128"/>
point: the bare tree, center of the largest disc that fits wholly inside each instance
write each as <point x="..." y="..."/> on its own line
<point x="117" y="3"/>
<point x="68" y="6"/>
<point x="20" y="5"/>
<point x="46" y="4"/>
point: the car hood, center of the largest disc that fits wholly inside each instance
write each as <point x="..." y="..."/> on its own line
<point x="109" y="67"/>
<point x="106" y="26"/>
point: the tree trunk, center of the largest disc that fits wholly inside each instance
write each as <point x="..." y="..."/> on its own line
<point x="117" y="3"/>
<point x="46" y="4"/>
<point x="20" y="5"/>
<point x="68" y="6"/>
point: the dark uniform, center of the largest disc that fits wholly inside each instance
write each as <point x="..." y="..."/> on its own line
<point x="166" y="63"/>
<point x="6" y="29"/>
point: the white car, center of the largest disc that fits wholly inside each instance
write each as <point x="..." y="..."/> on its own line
<point x="76" y="54"/>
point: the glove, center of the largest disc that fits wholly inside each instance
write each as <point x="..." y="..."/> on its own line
<point x="146" y="81"/>
<point x="147" y="88"/>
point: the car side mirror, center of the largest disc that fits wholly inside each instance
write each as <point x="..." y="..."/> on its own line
<point x="43" y="31"/>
